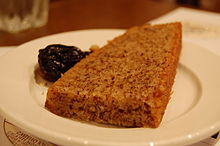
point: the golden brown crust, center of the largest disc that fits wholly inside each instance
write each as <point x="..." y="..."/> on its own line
<point x="127" y="82"/>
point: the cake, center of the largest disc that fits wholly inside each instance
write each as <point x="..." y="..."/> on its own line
<point x="127" y="82"/>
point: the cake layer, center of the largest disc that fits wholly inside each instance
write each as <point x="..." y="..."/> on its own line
<point x="127" y="82"/>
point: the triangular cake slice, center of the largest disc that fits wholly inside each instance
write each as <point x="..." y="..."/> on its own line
<point x="127" y="82"/>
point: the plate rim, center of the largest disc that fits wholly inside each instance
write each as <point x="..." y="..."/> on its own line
<point x="82" y="142"/>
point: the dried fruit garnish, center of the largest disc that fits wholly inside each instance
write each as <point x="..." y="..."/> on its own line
<point x="56" y="59"/>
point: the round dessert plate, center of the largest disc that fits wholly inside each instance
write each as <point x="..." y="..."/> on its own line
<point x="193" y="112"/>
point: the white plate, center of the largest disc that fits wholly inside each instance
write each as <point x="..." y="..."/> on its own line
<point x="193" y="112"/>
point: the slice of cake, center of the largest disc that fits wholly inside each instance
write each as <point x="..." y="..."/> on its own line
<point x="127" y="82"/>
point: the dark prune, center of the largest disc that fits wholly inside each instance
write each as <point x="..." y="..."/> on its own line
<point x="54" y="60"/>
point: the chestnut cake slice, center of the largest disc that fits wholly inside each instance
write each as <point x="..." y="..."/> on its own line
<point x="127" y="82"/>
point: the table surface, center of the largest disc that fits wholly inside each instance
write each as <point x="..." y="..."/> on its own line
<point x="69" y="15"/>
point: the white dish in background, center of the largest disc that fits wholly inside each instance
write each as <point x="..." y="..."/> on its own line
<point x="192" y="114"/>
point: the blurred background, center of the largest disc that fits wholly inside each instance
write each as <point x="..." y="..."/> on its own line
<point x="211" y="5"/>
<point x="70" y="15"/>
